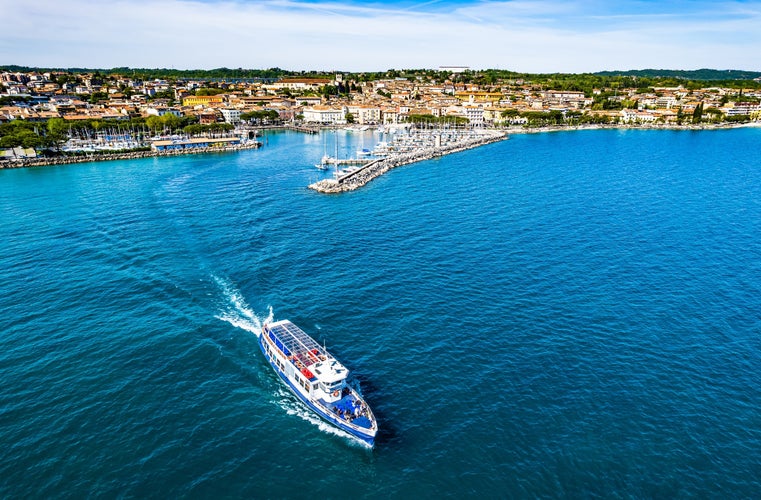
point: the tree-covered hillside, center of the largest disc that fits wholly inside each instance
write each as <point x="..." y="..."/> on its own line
<point x="480" y="76"/>
<point x="698" y="74"/>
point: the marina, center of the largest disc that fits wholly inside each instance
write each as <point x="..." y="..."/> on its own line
<point x="405" y="148"/>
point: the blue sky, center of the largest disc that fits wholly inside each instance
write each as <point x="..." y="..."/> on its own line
<point x="521" y="35"/>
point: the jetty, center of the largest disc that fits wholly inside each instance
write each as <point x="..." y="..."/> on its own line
<point x="304" y="129"/>
<point x="413" y="148"/>
<point x="345" y="161"/>
<point x="69" y="159"/>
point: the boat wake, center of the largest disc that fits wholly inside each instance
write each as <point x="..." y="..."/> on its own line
<point x="236" y="310"/>
<point x="292" y="406"/>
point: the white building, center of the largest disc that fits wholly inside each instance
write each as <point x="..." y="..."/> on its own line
<point x="230" y="115"/>
<point x="742" y="108"/>
<point x="666" y="102"/>
<point x="632" y="116"/>
<point x="390" y="116"/>
<point x="324" y="114"/>
<point x="475" y="114"/>
<point x="161" y="111"/>
<point x="299" y="84"/>
<point x="365" y="114"/>
<point x="454" y="69"/>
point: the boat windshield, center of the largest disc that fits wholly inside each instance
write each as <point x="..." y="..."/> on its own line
<point x="332" y="387"/>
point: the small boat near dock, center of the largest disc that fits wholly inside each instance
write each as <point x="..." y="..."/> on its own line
<point x="317" y="379"/>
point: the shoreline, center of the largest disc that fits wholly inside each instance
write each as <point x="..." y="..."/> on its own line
<point x="68" y="160"/>
<point x="639" y="126"/>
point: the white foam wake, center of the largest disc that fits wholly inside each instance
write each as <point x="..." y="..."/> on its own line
<point x="236" y="310"/>
<point x="292" y="406"/>
<point x="238" y="313"/>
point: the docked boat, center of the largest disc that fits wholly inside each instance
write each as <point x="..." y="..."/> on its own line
<point x="317" y="379"/>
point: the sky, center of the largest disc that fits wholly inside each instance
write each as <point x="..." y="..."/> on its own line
<point x="533" y="36"/>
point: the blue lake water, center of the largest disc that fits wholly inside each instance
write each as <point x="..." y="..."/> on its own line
<point x="567" y="314"/>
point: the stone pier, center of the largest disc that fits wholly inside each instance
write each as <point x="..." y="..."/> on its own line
<point x="375" y="168"/>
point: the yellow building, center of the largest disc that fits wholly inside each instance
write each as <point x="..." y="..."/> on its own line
<point x="203" y="100"/>
<point x="479" y="97"/>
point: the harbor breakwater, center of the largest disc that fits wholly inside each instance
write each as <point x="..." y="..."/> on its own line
<point x="127" y="155"/>
<point x="375" y="168"/>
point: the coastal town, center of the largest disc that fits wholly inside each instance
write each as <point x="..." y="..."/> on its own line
<point x="59" y="114"/>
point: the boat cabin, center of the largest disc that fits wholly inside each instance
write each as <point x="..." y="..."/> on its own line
<point x="331" y="377"/>
<point x="304" y="361"/>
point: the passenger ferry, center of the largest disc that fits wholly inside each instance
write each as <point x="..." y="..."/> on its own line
<point x="317" y="378"/>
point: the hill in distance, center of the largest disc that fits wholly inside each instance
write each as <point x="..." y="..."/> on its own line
<point x="694" y="75"/>
<point x="697" y="74"/>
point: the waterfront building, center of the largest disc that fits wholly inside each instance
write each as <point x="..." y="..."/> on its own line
<point x="635" y="116"/>
<point x="474" y="114"/>
<point x="666" y="115"/>
<point x="365" y="115"/>
<point x="324" y="114"/>
<point x="742" y="108"/>
<point x="390" y="116"/>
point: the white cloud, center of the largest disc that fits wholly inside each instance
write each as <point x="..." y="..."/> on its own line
<point x="532" y="36"/>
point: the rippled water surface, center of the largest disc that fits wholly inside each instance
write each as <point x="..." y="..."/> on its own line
<point x="567" y="314"/>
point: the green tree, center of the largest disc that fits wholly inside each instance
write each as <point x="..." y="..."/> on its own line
<point x="154" y="122"/>
<point x="697" y="115"/>
<point x="209" y="91"/>
<point x="713" y="114"/>
<point x="96" y="97"/>
<point x="171" y="121"/>
<point x="57" y="126"/>
<point x="21" y="137"/>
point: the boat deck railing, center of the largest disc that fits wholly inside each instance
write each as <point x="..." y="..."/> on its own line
<point x="353" y="411"/>
<point x="297" y="345"/>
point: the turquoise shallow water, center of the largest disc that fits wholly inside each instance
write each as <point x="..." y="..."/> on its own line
<point x="570" y="314"/>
